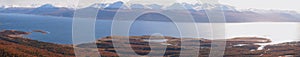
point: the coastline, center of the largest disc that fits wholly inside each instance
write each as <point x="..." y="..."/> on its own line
<point x="140" y="44"/>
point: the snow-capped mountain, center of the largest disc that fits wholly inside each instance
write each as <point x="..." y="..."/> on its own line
<point x="155" y="6"/>
<point x="47" y="6"/>
<point x="119" y="4"/>
<point x="109" y="10"/>
<point x="99" y="5"/>
<point x="49" y="9"/>
<point x="115" y="5"/>
<point x="137" y="6"/>
<point x="2" y="6"/>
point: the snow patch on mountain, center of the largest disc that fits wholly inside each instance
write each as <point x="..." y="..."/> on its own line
<point x="47" y="6"/>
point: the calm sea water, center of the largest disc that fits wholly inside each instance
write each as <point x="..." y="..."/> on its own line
<point x="60" y="29"/>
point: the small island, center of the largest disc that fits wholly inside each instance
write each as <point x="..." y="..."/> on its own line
<point x="40" y="31"/>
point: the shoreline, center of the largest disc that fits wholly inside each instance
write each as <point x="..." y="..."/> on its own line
<point x="141" y="45"/>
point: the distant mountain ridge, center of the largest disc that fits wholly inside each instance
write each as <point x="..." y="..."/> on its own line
<point x="196" y="10"/>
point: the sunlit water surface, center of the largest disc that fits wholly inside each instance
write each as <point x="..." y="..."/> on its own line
<point x="61" y="28"/>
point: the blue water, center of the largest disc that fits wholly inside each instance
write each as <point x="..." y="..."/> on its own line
<point x="60" y="28"/>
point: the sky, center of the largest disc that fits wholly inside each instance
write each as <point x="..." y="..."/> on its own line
<point x="239" y="4"/>
<point x="264" y="4"/>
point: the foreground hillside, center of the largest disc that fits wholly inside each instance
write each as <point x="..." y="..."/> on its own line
<point x="235" y="47"/>
<point x="13" y="44"/>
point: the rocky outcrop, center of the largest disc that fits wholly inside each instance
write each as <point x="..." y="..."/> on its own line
<point x="13" y="33"/>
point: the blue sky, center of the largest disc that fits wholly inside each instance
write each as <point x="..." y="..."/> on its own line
<point x="240" y="4"/>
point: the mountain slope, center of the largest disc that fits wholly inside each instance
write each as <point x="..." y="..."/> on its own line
<point x="49" y="9"/>
<point x="12" y="44"/>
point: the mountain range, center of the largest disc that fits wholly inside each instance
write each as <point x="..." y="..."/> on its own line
<point x="108" y="11"/>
